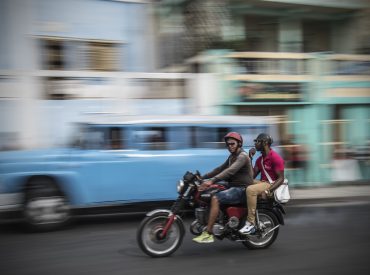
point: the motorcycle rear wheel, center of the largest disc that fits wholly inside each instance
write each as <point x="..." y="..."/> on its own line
<point x="267" y="220"/>
<point x="149" y="235"/>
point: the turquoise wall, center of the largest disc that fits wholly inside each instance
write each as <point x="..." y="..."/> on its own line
<point x="357" y="131"/>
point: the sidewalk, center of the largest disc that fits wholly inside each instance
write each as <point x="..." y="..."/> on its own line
<point x="331" y="192"/>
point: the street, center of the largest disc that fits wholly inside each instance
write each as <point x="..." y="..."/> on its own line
<point x="331" y="239"/>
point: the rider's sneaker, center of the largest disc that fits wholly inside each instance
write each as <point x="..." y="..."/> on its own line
<point x="205" y="237"/>
<point x="248" y="229"/>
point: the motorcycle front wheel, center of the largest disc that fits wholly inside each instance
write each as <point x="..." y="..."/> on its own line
<point x="149" y="235"/>
<point x="268" y="221"/>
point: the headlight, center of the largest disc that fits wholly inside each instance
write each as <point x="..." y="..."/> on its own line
<point x="180" y="186"/>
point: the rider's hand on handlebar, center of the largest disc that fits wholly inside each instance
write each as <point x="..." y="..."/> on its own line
<point x="205" y="185"/>
<point x="199" y="177"/>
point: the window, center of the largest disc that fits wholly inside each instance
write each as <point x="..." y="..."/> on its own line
<point x="209" y="137"/>
<point x="158" y="88"/>
<point x="151" y="138"/>
<point x="115" y="140"/>
<point x="103" y="138"/>
<point x="102" y="56"/>
<point x="251" y="132"/>
<point x="69" y="54"/>
<point x="317" y="36"/>
<point x="270" y="91"/>
<point x="53" y="54"/>
<point x="92" y="138"/>
<point x="178" y="137"/>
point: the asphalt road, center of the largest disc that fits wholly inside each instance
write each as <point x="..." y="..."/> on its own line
<point x="315" y="240"/>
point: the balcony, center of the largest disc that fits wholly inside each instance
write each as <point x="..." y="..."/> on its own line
<point x="296" y="78"/>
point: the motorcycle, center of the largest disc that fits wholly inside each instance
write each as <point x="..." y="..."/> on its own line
<point x="162" y="231"/>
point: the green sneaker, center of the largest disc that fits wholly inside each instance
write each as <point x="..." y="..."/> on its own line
<point x="205" y="237"/>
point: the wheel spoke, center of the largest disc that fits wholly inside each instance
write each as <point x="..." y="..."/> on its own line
<point x="266" y="224"/>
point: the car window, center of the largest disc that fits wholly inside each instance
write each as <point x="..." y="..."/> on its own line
<point x="92" y="138"/>
<point x="208" y="137"/>
<point x="178" y="137"/>
<point x="151" y="138"/>
<point x="116" y="139"/>
<point x="250" y="133"/>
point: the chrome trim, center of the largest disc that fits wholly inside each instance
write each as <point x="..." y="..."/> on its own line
<point x="180" y="186"/>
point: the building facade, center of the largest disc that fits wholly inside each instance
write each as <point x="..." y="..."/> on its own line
<point x="62" y="59"/>
<point x="304" y="61"/>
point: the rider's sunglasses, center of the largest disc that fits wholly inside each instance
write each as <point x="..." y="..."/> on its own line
<point x="257" y="141"/>
<point x="231" y="143"/>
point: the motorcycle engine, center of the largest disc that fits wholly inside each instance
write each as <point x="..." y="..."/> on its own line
<point x="218" y="229"/>
<point x="201" y="215"/>
<point x="233" y="222"/>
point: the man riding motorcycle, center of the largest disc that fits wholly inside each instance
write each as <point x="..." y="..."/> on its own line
<point x="271" y="166"/>
<point x="218" y="213"/>
<point x="237" y="172"/>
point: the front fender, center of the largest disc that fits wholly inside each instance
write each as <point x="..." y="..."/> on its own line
<point x="153" y="212"/>
<point x="66" y="181"/>
<point x="163" y="211"/>
<point x="279" y="211"/>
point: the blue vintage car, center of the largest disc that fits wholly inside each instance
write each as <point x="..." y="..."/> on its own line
<point x="116" y="163"/>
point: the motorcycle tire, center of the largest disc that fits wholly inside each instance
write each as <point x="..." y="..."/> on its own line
<point x="150" y="241"/>
<point x="269" y="220"/>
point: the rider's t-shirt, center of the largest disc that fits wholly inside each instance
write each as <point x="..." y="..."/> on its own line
<point x="236" y="170"/>
<point x="273" y="162"/>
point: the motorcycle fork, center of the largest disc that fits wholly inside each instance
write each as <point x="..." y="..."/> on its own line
<point x="168" y="225"/>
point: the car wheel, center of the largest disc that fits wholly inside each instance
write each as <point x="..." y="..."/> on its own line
<point x="45" y="207"/>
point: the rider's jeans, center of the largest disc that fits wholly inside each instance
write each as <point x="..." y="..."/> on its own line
<point x="253" y="191"/>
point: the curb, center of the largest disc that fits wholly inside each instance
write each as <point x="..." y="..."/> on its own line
<point x="330" y="192"/>
<point x="358" y="200"/>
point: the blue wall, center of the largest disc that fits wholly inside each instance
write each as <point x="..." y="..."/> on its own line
<point x="125" y="23"/>
<point x="89" y="19"/>
<point x="4" y="58"/>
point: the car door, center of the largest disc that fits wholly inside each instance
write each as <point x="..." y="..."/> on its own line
<point x="162" y="157"/>
<point x="84" y="164"/>
<point x="142" y="169"/>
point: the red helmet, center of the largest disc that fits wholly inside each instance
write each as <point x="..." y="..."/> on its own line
<point x="235" y="136"/>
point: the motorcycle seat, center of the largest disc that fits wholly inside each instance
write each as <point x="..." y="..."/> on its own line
<point x="239" y="205"/>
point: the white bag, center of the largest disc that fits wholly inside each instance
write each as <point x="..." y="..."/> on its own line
<point x="281" y="193"/>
